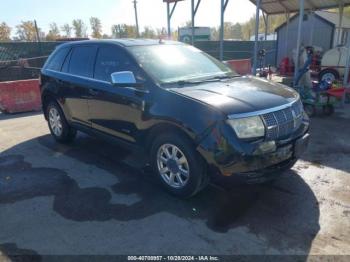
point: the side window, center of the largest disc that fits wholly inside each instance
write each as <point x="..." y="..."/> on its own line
<point x="55" y="63"/>
<point x="112" y="59"/>
<point x="82" y="61"/>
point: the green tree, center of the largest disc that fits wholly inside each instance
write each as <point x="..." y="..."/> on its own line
<point x="131" y="31"/>
<point x="96" y="27"/>
<point x="5" y="32"/>
<point x="248" y="28"/>
<point x="79" y="28"/>
<point x="148" y="32"/>
<point x="26" y="31"/>
<point x="54" y="32"/>
<point x="237" y="31"/>
<point x="67" y="29"/>
<point x="123" y="31"/>
<point x="231" y="31"/>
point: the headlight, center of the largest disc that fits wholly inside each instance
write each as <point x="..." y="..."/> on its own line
<point x="248" y="127"/>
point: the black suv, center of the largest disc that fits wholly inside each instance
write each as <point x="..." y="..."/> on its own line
<point x="190" y="113"/>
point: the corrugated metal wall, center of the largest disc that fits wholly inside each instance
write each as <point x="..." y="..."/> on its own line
<point x="322" y="36"/>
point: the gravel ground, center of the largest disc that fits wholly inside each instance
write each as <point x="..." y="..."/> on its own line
<point x="91" y="197"/>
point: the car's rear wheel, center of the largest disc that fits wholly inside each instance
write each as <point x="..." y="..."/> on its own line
<point x="178" y="165"/>
<point x="58" y="125"/>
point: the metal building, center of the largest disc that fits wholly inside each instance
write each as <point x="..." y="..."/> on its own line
<point x="320" y="28"/>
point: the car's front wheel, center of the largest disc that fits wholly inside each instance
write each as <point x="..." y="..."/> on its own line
<point x="178" y="165"/>
<point x="58" y="125"/>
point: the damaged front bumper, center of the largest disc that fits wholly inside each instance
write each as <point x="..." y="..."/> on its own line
<point x="255" y="161"/>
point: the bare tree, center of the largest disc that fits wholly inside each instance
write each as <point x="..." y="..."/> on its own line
<point x="5" y="32"/>
<point x="26" y="31"/>
<point x="79" y="28"/>
<point x="67" y="29"/>
<point x="96" y="27"/>
<point x="119" y="31"/>
<point x="54" y="32"/>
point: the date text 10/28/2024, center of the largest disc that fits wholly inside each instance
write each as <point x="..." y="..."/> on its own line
<point x="173" y="258"/>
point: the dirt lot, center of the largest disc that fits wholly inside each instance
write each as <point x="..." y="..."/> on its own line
<point x="92" y="198"/>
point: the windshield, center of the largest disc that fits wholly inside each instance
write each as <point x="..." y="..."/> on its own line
<point x="173" y="63"/>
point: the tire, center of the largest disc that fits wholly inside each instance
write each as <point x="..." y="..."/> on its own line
<point x="328" y="75"/>
<point x="175" y="180"/>
<point x="58" y="125"/>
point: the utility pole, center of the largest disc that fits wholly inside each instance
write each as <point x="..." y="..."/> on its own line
<point x="222" y="13"/>
<point x="37" y="31"/>
<point x="257" y="16"/>
<point x="136" y="19"/>
<point x="37" y="36"/>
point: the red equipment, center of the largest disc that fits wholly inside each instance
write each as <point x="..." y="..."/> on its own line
<point x="20" y="96"/>
<point x="242" y="66"/>
<point x="286" y="67"/>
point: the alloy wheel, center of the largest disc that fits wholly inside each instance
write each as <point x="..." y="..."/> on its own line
<point x="173" y="166"/>
<point x="55" y="122"/>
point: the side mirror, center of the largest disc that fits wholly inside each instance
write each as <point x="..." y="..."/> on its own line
<point x="124" y="79"/>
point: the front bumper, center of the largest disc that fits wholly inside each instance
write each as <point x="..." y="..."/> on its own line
<point x="229" y="156"/>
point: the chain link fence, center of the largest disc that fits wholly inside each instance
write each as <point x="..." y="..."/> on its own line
<point x="23" y="60"/>
<point x="239" y="50"/>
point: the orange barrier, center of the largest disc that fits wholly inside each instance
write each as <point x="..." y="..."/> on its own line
<point x="20" y="96"/>
<point x="242" y="66"/>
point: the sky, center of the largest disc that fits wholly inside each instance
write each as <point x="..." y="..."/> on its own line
<point x="151" y="12"/>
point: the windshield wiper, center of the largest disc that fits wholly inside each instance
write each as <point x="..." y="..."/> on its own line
<point x="187" y="82"/>
<point x="214" y="78"/>
<point x="211" y="79"/>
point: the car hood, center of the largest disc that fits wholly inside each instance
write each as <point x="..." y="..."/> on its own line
<point x="240" y="95"/>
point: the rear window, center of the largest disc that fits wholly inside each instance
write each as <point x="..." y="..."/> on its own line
<point x="82" y="61"/>
<point x="55" y="63"/>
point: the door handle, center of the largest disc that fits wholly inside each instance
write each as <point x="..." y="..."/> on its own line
<point x="93" y="92"/>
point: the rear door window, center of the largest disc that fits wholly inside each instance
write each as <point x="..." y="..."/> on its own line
<point x="55" y="63"/>
<point x="112" y="59"/>
<point x="65" y="66"/>
<point x="82" y="61"/>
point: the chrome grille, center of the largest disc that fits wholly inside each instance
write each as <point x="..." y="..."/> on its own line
<point x="283" y="122"/>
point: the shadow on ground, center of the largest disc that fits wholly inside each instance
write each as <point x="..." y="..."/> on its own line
<point x="10" y="252"/>
<point x="285" y="213"/>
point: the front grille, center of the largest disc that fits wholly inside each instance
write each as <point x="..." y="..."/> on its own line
<point x="283" y="122"/>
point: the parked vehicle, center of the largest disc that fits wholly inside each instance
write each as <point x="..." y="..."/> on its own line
<point x="200" y="34"/>
<point x="192" y="115"/>
<point x="333" y="64"/>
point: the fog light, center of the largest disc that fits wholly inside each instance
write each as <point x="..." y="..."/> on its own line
<point x="265" y="147"/>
